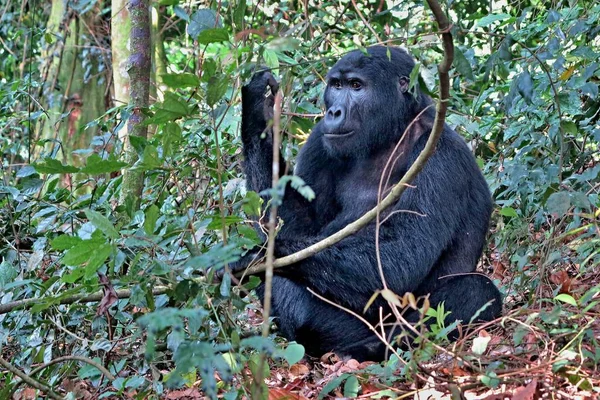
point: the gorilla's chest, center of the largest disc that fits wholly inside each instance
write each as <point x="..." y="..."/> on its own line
<point x="357" y="189"/>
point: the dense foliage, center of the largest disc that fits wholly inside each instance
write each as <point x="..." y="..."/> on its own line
<point x="524" y="95"/>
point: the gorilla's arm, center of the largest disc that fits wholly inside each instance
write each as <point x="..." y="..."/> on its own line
<point x="298" y="213"/>
<point x="257" y="137"/>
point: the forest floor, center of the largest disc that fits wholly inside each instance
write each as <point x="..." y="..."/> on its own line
<point x="530" y="343"/>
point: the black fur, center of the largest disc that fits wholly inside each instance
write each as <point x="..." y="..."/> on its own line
<point x="432" y="253"/>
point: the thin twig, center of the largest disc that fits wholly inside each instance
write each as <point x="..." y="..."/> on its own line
<point x="258" y="379"/>
<point x="272" y="216"/>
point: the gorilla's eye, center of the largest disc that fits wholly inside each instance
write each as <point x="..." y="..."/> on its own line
<point x="356" y="85"/>
<point x="336" y="83"/>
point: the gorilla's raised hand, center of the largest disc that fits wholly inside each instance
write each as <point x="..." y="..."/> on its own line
<point x="256" y="102"/>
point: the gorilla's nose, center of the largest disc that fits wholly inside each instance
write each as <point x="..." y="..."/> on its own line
<point x="334" y="118"/>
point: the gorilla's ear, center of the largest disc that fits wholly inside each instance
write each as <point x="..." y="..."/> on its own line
<point x="404" y="83"/>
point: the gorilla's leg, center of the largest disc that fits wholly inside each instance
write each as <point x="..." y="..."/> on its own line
<point x="464" y="296"/>
<point x="318" y="326"/>
<point x="321" y="327"/>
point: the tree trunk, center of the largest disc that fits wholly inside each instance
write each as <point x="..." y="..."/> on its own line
<point x="120" y="26"/>
<point x="76" y="87"/>
<point x="139" y="81"/>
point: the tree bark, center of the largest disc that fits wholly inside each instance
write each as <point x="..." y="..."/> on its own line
<point x="73" y="86"/>
<point x="139" y="69"/>
<point x="120" y="25"/>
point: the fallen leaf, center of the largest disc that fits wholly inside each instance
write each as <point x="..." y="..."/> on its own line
<point x="110" y="295"/>
<point x="563" y="279"/>
<point x="329" y="358"/>
<point x="186" y="394"/>
<point x="282" y="394"/>
<point x="26" y="394"/>
<point x="299" y="370"/>
<point x="526" y="393"/>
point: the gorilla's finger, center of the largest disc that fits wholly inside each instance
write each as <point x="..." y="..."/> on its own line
<point x="273" y="84"/>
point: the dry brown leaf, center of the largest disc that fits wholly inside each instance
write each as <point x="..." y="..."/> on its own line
<point x="282" y="394"/>
<point x="186" y="394"/>
<point x="110" y="295"/>
<point x="329" y="358"/>
<point x="456" y="371"/>
<point x="526" y="393"/>
<point x="25" y="394"/>
<point x="299" y="370"/>
<point x="499" y="269"/>
<point x="563" y="279"/>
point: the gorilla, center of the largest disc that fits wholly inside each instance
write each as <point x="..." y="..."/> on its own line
<point x="429" y="242"/>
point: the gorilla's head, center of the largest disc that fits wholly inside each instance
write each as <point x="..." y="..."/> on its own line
<point x="367" y="101"/>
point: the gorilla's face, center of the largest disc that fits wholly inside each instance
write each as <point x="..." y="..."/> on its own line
<point x="365" y="104"/>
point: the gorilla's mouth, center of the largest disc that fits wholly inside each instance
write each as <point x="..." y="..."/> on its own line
<point x="339" y="135"/>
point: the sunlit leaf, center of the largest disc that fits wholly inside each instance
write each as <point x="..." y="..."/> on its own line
<point x="53" y="166"/>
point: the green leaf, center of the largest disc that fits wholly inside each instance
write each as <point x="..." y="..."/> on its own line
<point x="566" y="298"/>
<point x="102" y="223"/>
<point x="151" y="216"/>
<point x="248" y="233"/>
<point x="351" y="387"/>
<point x="271" y="59"/>
<point x="558" y="203"/>
<point x="225" y="286"/>
<point x="216" y="89"/>
<point x="80" y="253"/>
<point x="508" y="212"/>
<point x="97" y="258"/>
<point x="238" y="14"/>
<point x="171" y="109"/>
<point x="491" y="18"/>
<point x="179" y="81"/>
<point x="462" y="65"/>
<point x="53" y="166"/>
<point x="569" y="127"/>
<point x="202" y="20"/>
<point x="150" y="158"/>
<point x="64" y="242"/>
<point x="138" y="143"/>
<point x="490" y="379"/>
<point x="252" y="204"/>
<point x="334" y="383"/>
<point x="8" y="273"/>
<point x="525" y="85"/>
<point x="293" y="353"/>
<point x="96" y="165"/>
<point x="216" y="35"/>
<point x="413" y="78"/>
<point x="171" y="135"/>
<point x="299" y="185"/>
<point x="217" y="222"/>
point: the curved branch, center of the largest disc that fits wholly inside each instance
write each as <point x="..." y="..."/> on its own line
<point x="30" y="381"/>
<point x="400" y="187"/>
<point x="58" y="360"/>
